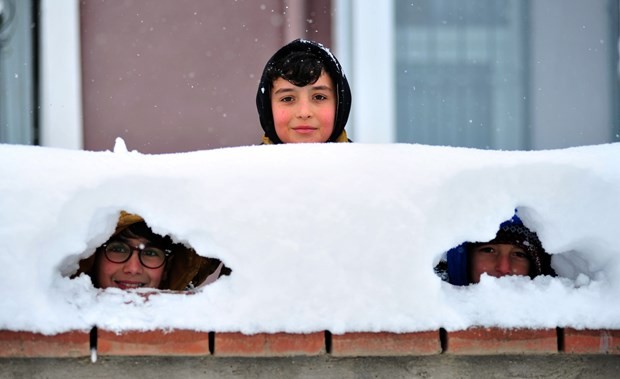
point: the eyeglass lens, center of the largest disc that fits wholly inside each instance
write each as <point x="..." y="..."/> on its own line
<point x="120" y="252"/>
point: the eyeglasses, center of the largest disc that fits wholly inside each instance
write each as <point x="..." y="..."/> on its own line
<point x="150" y="256"/>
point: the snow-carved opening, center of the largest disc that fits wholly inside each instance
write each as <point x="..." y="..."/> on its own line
<point x="514" y="250"/>
<point x="134" y="257"/>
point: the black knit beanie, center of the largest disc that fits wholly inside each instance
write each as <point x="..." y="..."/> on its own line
<point x="300" y="73"/>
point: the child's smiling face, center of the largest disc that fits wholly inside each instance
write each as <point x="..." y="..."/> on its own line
<point x="131" y="273"/>
<point x="304" y="114"/>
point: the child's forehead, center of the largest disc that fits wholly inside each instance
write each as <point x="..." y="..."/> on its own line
<point x="499" y="244"/>
<point x="133" y="240"/>
<point x="281" y="84"/>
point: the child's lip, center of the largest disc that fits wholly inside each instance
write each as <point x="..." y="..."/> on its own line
<point x="304" y="129"/>
<point x="127" y="284"/>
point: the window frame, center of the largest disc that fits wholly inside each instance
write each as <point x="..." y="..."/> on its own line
<point x="364" y="35"/>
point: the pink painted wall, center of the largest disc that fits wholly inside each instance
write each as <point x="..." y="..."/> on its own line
<point x="174" y="76"/>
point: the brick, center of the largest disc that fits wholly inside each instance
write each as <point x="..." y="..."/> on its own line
<point x="486" y="341"/>
<point x="386" y="344"/>
<point x="591" y="341"/>
<point x="28" y="344"/>
<point x="268" y="345"/>
<point x="158" y="342"/>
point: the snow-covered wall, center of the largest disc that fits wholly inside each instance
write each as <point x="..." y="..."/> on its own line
<point x="339" y="237"/>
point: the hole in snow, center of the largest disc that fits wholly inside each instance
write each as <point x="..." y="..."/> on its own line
<point x="136" y="257"/>
<point x="515" y="250"/>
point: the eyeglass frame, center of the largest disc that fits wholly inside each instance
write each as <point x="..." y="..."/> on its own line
<point x="167" y="253"/>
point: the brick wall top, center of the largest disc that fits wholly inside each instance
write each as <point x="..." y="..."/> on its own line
<point x="474" y="341"/>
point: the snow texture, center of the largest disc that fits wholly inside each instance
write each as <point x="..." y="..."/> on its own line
<point x="339" y="237"/>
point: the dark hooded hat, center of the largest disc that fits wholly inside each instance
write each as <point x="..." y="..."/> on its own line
<point x="305" y="55"/>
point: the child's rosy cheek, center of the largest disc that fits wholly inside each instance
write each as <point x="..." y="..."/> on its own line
<point x="280" y="114"/>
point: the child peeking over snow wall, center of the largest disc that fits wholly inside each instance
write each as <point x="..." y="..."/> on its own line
<point x="303" y="96"/>
<point x="515" y="250"/>
<point x="157" y="263"/>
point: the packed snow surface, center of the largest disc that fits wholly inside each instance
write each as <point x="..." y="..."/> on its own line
<point x="339" y="237"/>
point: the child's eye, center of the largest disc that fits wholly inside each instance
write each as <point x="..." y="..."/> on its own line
<point x="287" y="99"/>
<point x="320" y="97"/>
<point x="487" y="249"/>
<point x="118" y="247"/>
<point x="153" y="252"/>
<point x="520" y="254"/>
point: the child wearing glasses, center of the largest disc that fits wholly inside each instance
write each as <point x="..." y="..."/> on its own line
<point x="135" y="257"/>
<point x="303" y="96"/>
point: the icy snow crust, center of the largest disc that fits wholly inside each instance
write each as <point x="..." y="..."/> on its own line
<point x="339" y="237"/>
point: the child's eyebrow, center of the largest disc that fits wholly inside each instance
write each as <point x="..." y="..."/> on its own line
<point x="322" y="88"/>
<point x="284" y="90"/>
<point x="292" y="89"/>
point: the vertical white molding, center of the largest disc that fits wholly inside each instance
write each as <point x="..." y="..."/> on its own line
<point x="60" y="75"/>
<point x="342" y="47"/>
<point x="373" y="74"/>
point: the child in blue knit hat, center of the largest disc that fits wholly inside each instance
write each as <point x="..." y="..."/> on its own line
<point x="515" y="250"/>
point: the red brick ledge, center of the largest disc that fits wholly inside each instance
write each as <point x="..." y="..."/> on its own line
<point x="591" y="341"/>
<point x="490" y="341"/>
<point x="268" y="345"/>
<point x="28" y="344"/>
<point x="158" y="342"/>
<point x="473" y="341"/>
<point x="385" y="344"/>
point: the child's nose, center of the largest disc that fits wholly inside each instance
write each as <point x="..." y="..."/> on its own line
<point x="304" y="109"/>
<point x="503" y="265"/>
<point x="133" y="265"/>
